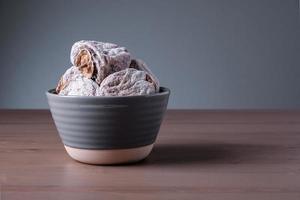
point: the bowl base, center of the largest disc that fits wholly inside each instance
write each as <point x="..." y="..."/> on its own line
<point x="109" y="156"/>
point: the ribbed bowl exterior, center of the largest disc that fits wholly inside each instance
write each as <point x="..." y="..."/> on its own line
<point x="108" y="122"/>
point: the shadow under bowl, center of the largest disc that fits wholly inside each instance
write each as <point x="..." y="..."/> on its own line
<point x="108" y="130"/>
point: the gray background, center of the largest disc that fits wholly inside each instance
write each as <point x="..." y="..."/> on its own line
<point x="212" y="54"/>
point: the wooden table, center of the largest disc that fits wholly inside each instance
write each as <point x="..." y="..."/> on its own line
<point x="198" y="155"/>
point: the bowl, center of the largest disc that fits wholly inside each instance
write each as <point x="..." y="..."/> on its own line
<point x="108" y="130"/>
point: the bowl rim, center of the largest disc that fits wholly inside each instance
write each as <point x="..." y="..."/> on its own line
<point x="162" y="91"/>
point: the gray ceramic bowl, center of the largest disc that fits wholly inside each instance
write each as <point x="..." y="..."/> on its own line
<point x="108" y="130"/>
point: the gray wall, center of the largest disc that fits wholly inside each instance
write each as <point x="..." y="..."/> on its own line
<point x="212" y="53"/>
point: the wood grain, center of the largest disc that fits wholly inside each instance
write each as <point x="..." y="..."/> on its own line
<point x="198" y="155"/>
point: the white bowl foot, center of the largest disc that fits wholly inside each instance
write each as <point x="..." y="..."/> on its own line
<point x="109" y="156"/>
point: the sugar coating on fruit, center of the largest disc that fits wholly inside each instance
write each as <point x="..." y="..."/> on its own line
<point x="128" y="82"/>
<point x="81" y="86"/>
<point x="70" y="74"/>
<point x="142" y="66"/>
<point x="96" y="60"/>
<point x="73" y="82"/>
